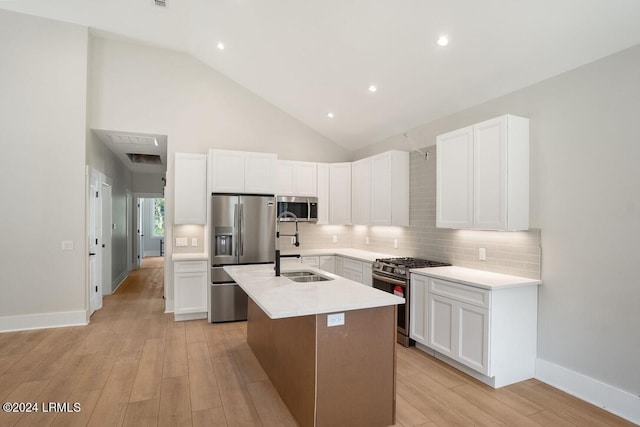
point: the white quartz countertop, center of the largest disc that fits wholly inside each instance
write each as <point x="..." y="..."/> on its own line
<point x="194" y="256"/>
<point x="357" y="254"/>
<point x="280" y="297"/>
<point x="477" y="278"/>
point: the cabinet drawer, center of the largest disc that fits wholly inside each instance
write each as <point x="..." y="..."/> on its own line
<point x="349" y="264"/>
<point x="189" y="266"/>
<point x="464" y="293"/>
<point x="312" y="261"/>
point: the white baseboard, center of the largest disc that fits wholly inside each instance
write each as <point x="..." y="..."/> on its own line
<point x="168" y="305"/>
<point x="43" y="321"/>
<point x="611" y="399"/>
<point x="121" y="279"/>
<point x="190" y="316"/>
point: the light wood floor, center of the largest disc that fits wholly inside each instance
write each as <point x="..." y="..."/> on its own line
<point x="134" y="366"/>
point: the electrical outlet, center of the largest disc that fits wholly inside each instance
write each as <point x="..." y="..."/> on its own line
<point x="395" y="243"/>
<point x="366" y="240"/>
<point x="335" y="319"/>
<point x="194" y="241"/>
<point x="67" y="245"/>
<point x="334" y="239"/>
<point x="181" y="241"/>
<point x="482" y="254"/>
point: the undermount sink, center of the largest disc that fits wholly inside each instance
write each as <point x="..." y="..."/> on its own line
<point x="305" y="276"/>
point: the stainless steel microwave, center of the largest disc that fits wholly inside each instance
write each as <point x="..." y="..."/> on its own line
<point x="305" y="208"/>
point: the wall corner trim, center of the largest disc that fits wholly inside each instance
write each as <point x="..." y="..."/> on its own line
<point x="43" y="321"/>
<point x="168" y="305"/>
<point x="605" y="396"/>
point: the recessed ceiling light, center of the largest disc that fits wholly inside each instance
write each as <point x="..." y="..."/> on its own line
<point x="220" y="46"/>
<point x="330" y="115"/>
<point x="443" y="41"/>
<point x="372" y="88"/>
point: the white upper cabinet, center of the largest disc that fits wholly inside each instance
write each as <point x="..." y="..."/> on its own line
<point x="190" y="197"/>
<point x="242" y="172"/>
<point x="340" y="193"/>
<point x="323" y="193"/>
<point x="361" y="191"/>
<point x="297" y="178"/>
<point x="483" y="176"/>
<point x="390" y="188"/>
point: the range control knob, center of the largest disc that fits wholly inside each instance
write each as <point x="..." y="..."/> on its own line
<point x="375" y="265"/>
<point x="399" y="270"/>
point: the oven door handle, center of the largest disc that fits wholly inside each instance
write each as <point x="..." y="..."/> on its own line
<point x="402" y="283"/>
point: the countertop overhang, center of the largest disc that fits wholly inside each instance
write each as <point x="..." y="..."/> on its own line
<point x="280" y="297"/>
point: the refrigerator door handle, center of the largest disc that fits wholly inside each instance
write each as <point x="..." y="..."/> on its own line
<point x="236" y="230"/>
<point x="241" y="229"/>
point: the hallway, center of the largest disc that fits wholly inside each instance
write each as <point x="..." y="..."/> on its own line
<point x="134" y="366"/>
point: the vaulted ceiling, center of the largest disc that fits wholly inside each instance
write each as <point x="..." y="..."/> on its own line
<point x="312" y="58"/>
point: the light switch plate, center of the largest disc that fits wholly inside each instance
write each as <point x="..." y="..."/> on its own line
<point x="482" y="254"/>
<point x="181" y="241"/>
<point x="335" y="319"/>
<point x="334" y="239"/>
<point x="395" y="243"/>
<point x="194" y="241"/>
<point x="67" y="245"/>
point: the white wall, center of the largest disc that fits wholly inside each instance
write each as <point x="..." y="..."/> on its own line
<point x="43" y="92"/>
<point x="585" y="188"/>
<point x="151" y="243"/>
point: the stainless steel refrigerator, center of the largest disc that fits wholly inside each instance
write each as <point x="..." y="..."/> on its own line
<point x="242" y="232"/>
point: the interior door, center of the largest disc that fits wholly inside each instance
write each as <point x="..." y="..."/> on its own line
<point x="95" y="223"/>
<point x="106" y="232"/>
<point x="140" y="234"/>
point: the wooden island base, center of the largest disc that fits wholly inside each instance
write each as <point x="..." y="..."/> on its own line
<point x="330" y="376"/>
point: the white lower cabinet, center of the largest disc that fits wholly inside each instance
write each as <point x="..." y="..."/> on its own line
<point x="190" y="289"/>
<point x="490" y="331"/>
<point x="311" y="261"/>
<point x="328" y="263"/>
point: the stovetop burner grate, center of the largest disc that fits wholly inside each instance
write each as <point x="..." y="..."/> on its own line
<point x="409" y="262"/>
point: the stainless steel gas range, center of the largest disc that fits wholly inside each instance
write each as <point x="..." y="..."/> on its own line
<point x="392" y="275"/>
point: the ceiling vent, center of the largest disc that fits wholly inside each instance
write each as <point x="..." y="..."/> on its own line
<point x="133" y="140"/>
<point x="144" y="159"/>
<point x="160" y="3"/>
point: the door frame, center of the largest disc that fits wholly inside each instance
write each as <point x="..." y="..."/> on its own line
<point x="106" y="194"/>
<point x="94" y="237"/>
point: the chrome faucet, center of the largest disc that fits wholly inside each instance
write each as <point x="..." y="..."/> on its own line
<point x="296" y="241"/>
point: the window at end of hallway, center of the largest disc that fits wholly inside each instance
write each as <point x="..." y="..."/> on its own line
<point x="158" y="218"/>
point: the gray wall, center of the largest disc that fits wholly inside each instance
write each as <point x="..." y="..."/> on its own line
<point x="43" y="87"/>
<point x="586" y="202"/>
<point x="103" y="160"/>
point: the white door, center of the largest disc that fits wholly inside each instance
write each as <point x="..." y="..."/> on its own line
<point x="106" y="231"/>
<point x="94" y="224"/>
<point x="140" y="234"/>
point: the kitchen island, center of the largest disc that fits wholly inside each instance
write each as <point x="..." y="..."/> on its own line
<point x="328" y="347"/>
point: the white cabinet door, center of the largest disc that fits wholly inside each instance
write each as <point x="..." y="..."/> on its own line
<point x="366" y="274"/>
<point x="297" y="178"/>
<point x="356" y="276"/>
<point x="190" y="194"/>
<point x="418" y="309"/>
<point x="490" y="174"/>
<point x="285" y="177"/>
<point x="441" y="328"/>
<point x="340" y="193"/>
<point x="305" y="179"/>
<point x="311" y="261"/>
<point x="190" y="287"/>
<point x="260" y="173"/>
<point x="227" y="171"/>
<point x="328" y="263"/>
<point x="361" y="194"/>
<point x="323" y="193"/>
<point x="472" y="330"/>
<point x="381" y="184"/>
<point x="454" y="184"/>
